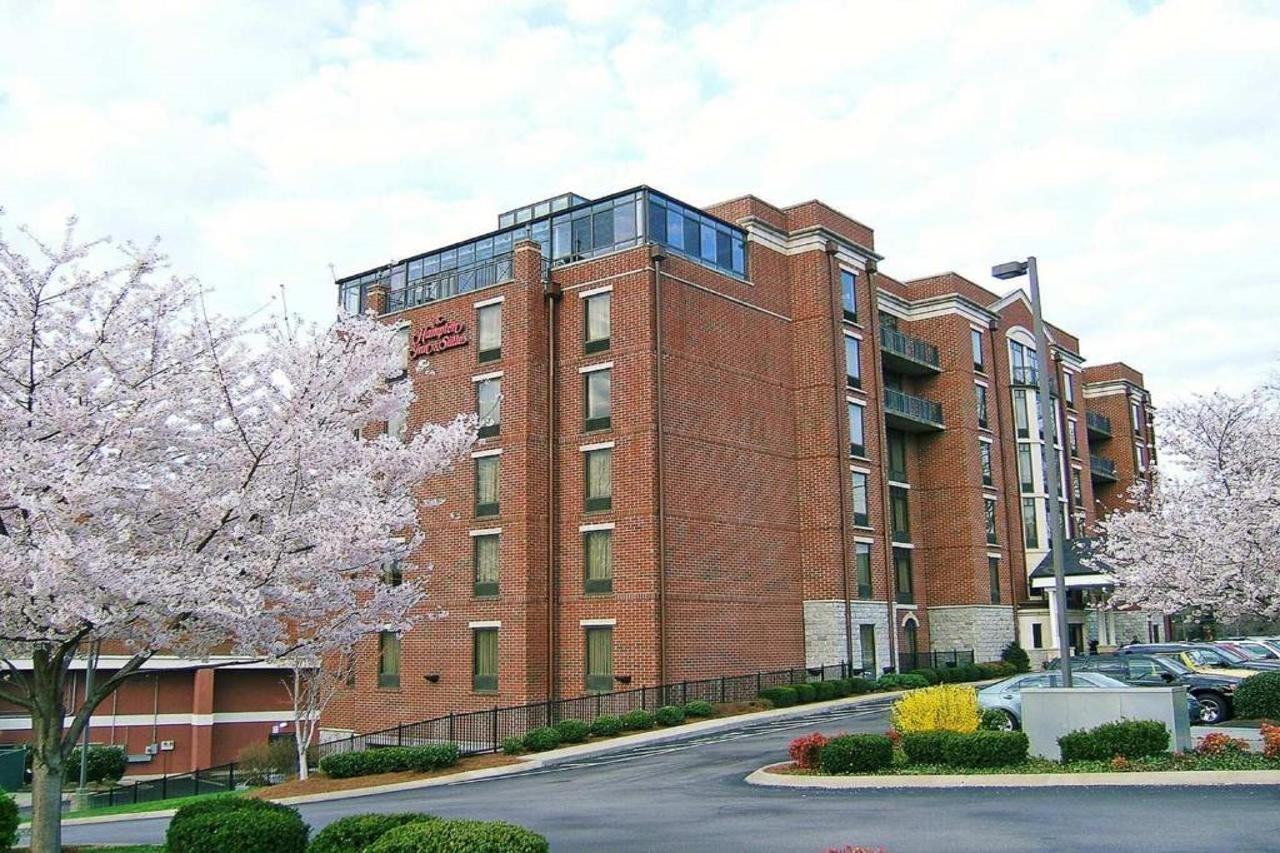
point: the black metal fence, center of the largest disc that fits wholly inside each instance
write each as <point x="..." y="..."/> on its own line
<point x="908" y="661"/>
<point x="212" y="780"/>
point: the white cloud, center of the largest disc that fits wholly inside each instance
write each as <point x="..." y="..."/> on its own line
<point x="1131" y="148"/>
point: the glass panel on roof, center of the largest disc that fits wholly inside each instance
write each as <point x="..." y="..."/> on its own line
<point x="523" y="214"/>
<point x="542" y="208"/>
<point x="560" y="203"/>
<point x="540" y="233"/>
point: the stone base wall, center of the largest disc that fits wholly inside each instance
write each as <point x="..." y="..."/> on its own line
<point x="986" y="629"/>
<point x="824" y="639"/>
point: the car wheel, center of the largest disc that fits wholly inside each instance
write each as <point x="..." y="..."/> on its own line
<point x="1008" y="722"/>
<point x="1213" y="708"/>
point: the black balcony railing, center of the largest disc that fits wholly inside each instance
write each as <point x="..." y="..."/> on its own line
<point x="908" y="347"/>
<point x="914" y="409"/>
<point x="1098" y="424"/>
<point x="442" y="285"/>
<point x="1102" y="468"/>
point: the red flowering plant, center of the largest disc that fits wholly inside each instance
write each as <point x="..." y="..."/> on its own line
<point x="1270" y="740"/>
<point x="1221" y="743"/>
<point x="806" y="750"/>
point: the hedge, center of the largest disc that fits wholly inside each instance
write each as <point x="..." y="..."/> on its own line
<point x="1124" y="738"/>
<point x="859" y="686"/>
<point x="572" y="731"/>
<point x="540" y="740"/>
<point x="926" y="747"/>
<point x="453" y="836"/>
<point x="900" y="682"/>
<point x="389" y="759"/>
<point x="985" y="749"/>
<point x="856" y="754"/>
<point x="1258" y="697"/>
<point x="804" y="692"/>
<point x="236" y="825"/>
<point x="606" y="726"/>
<point x="824" y="690"/>
<point x="669" y="715"/>
<point x="104" y="764"/>
<point x="356" y="833"/>
<point x="8" y="822"/>
<point x="781" y="697"/>
<point x="699" y="708"/>
<point x="637" y="720"/>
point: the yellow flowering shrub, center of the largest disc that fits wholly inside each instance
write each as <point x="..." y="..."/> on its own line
<point x="944" y="708"/>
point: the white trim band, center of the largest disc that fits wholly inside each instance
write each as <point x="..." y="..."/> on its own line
<point x="485" y="531"/>
<point x="603" y="445"/>
<point x="587" y="528"/>
<point x="485" y="303"/>
<point x="484" y="377"/>
<point x="479" y="454"/>
<point x="597" y="623"/>
<point x="592" y="368"/>
<point x="595" y="291"/>
<point x="492" y="623"/>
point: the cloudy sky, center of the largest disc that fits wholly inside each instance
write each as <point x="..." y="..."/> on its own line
<point x="1132" y="146"/>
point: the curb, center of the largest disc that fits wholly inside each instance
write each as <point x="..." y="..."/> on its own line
<point x="1161" y="779"/>
<point x="542" y="759"/>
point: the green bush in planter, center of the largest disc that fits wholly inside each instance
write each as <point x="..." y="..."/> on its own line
<point x="1124" y="738"/>
<point x="781" y="697"/>
<point x="573" y="731"/>
<point x="637" y="720"/>
<point x="804" y="692"/>
<point x="986" y="749"/>
<point x="856" y="754"/>
<point x="460" y="836"/>
<point x="357" y="832"/>
<point x="540" y="740"/>
<point x="227" y="826"/>
<point x="1258" y="697"/>
<point x="669" y="715"/>
<point x="926" y="747"/>
<point x="8" y="822"/>
<point x="699" y="708"/>
<point x="606" y="726"/>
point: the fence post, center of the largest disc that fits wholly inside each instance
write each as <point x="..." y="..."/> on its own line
<point x="722" y="689"/>
<point x="597" y="704"/>
<point x="758" y="682"/>
<point x="684" y="693"/>
<point x="164" y="787"/>
<point x="399" y="734"/>
<point x="495" y="727"/>
<point x="451" y="727"/>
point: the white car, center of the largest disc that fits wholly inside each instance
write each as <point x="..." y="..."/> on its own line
<point x="1006" y="696"/>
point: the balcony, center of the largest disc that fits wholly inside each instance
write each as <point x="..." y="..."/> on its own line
<point x="911" y="414"/>
<point x="452" y="282"/>
<point x="1102" y="469"/>
<point x="903" y="353"/>
<point x="1099" y="426"/>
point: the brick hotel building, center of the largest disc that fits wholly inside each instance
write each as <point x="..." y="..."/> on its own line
<point x="721" y="440"/>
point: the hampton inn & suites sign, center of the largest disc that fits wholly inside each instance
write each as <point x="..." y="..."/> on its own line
<point x="436" y="336"/>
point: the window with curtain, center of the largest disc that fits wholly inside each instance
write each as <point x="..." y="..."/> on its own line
<point x="867" y="646"/>
<point x="485" y="552"/>
<point x="862" y="551"/>
<point x="993" y="570"/>
<point x="598" y="397"/>
<point x="484" y="659"/>
<point x="599" y="479"/>
<point x="598" y="324"/>
<point x="849" y="294"/>
<point x="981" y="391"/>
<point x="859" y="498"/>
<point x="388" y="659"/>
<point x="1026" y="476"/>
<point x="489" y="406"/>
<point x="857" y="437"/>
<point x="899" y="514"/>
<point x="488" y="475"/>
<point x="489" y="332"/>
<point x="902" y="575"/>
<point x="1020" y="420"/>
<point x="853" y="362"/>
<point x="597" y="546"/>
<point x="990" y="508"/>
<point x="975" y="341"/>
<point x="984" y="455"/>
<point x="599" y="664"/>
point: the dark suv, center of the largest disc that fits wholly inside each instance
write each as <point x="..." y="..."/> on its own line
<point x="1213" y="692"/>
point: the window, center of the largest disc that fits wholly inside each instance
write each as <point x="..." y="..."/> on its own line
<point x="484" y="659"/>
<point x="485" y="549"/>
<point x="849" y="295"/>
<point x="696" y="235"/>
<point x="975" y="342"/>
<point x="1073" y="438"/>
<point x="489" y="332"/>
<point x="599" y="665"/>
<point x="859" y="499"/>
<point x="1135" y="414"/>
<point x="897" y="442"/>
<point x="598" y="399"/>
<point x="388" y="659"/>
<point x="1077" y="490"/>
<point x="993" y="571"/>
<point x="1026" y="474"/>
<point x="597" y="560"/>
<point x="1020" y="421"/>
<point x="899" y="514"/>
<point x="989" y="506"/>
<point x="867" y="646"/>
<point x="1037" y="638"/>
<point x="487" y="477"/>
<point x="984" y="457"/>
<point x="598" y="466"/>
<point x="1068" y="390"/>
<point x="489" y="406"/>
<point x="911" y="632"/>
<point x="598" y="324"/>
<point x="853" y="362"/>
<point x="397" y="425"/>
<point x="1024" y="364"/>
<point x="1030" y="530"/>
<point x="981" y="391"/>
<point x="862" y="553"/>
<point x="902" y="575"/>
<point x="1140" y="457"/>
<point x="857" y="438"/>
<point x="392" y="573"/>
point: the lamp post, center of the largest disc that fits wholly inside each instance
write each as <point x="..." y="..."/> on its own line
<point x="1057" y="543"/>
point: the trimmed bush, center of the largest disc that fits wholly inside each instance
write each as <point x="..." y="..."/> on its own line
<point x="390" y="759"/>
<point x="985" y="749"/>
<point x="859" y="686"/>
<point x="1125" y="738"/>
<point x="637" y="720"/>
<point x="893" y="681"/>
<point x="236" y="825"/>
<point x="573" y="731"/>
<point x="1017" y="656"/>
<point x="606" y="726"/>
<point x="540" y="740"/>
<point x="804" y="692"/>
<point x="512" y="745"/>
<point x="926" y="747"/>
<point x="453" y="836"/>
<point x="841" y="687"/>
<point x="996" y="669"/>
<point x="8" y="822"/>
<point x="781" y="697"/>
<point x="669" y="715"/>
<point x="946" y="708"/>
<point x="104" y="764"/>
<point x="1258" y="697"/>
<point x="992" y="720"/>
<point x="824" y="690"/>
<point x="930" y="675"/>
<point x="856" y="754"/>
<point x="806" y="750"/>
<point x="699" y="708"/>
<point x="356" y="833"/>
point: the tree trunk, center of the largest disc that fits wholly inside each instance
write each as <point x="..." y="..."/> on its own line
<point x="46" y="792"/>
<point x="303" y="743"/>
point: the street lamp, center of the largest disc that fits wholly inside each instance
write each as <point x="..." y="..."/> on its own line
<point x="1057" y="543"/>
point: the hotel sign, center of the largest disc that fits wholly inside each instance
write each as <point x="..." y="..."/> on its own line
<point x="439" y="335"/>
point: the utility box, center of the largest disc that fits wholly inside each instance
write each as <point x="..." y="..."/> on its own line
<point x="13" y="767"/>
<point x="1050" y="712"/>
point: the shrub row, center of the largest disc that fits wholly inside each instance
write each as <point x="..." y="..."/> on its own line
<point x="793" y="694"/>
<point x="359" y="832"/>
<point x="577" y="731"/>
<point x="1123" y="738"/>
<point x="389" y="759"/>
<point x="453" y="836"/>
<point x="856" y="754"/>
<point x="967" y="672"/>
<point x="973" y="749"/>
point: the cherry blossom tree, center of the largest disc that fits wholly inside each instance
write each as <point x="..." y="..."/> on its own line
<point x="314" y="682"/>
<point x="1206" y="539"/>
<point x="173" y="482"/>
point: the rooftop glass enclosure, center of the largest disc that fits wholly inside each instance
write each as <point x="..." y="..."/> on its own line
<point x="577" y="231"/>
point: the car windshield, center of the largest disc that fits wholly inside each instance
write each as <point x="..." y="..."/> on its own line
<point x="1229" y="655"/>
<point x="1252" y="652"/>
<point x="1173" y="665"/>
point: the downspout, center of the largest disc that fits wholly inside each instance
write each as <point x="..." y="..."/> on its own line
<point x="553" y="295"/>
<point x="996" y="392"/>
<point x="846" y="515"/>
<point x="882" y="432"/>
<point x="657" y="256"/>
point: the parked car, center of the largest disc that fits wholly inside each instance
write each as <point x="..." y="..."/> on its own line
<point x="1210" y="693"/>
<point x="1006" y="696"/>
<point x="1203" y="657"/>
<point x="1251" y="649"/>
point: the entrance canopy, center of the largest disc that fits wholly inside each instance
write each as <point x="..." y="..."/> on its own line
<point x="1081" y="569"/>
